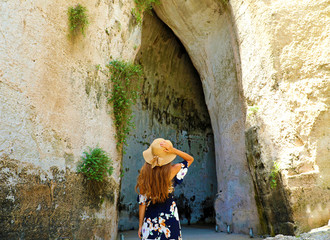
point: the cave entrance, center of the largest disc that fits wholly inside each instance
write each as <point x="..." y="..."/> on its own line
<point x="172" y="105"/>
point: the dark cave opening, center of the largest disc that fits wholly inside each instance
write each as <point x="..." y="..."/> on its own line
<point x="172" y="106"/>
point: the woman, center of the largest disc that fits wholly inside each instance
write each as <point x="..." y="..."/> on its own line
<point x="158" y="214"/>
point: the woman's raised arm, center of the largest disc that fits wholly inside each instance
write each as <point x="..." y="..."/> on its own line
<point x="176" y="167"/>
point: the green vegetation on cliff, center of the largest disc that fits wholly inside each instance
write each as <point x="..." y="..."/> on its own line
<point x="125" y="78"/>
<point x="78" y="19"/>
<point x="273" y="175"/>
<point x="95" y="165"/>
<point x="141" y="7"/>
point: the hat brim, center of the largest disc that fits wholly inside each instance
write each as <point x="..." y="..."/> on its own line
<point x="148" y="157"/>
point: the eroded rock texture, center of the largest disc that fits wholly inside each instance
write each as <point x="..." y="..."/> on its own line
<point x="171" y="106"/>
<point x="285" y="72"/>
<point x="264" y="68"/>
<point x="271" y="58"/>
<point x="272" y="201"/>
<point x="204" y="27"/>
<point x="58" y="204"/>
<point x="53" y="105"/>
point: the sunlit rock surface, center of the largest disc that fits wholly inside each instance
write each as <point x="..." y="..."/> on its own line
<point x="205" y="29"/>
<point x="264" y="68"/>
<point x="322" y="233"/>
<point x="264" y="65"/>
<point x="53" y="105"/>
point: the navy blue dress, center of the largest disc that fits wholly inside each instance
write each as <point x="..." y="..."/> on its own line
<point x="161" y="220"/>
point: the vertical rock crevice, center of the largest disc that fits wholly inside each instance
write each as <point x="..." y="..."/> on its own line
<point x="274" y="209"/>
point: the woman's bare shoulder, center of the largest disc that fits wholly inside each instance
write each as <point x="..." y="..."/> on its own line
<point x="175" y="169"/>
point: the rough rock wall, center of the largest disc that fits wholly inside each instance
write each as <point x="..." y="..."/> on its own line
<point x="284" y="57"/>
<point x="53" y="204"/>
<point x="275" y="55"/>
<point x="204" y="28"/>
<point x="52" y="107"/>
<point x="273" y="204"/>
<point x="171" y="106"/>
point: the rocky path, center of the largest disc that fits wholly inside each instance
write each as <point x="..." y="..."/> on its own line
<point x="322" y="233"/>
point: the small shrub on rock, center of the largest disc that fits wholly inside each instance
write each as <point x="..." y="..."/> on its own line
<point x="141" y="7"/>
<point x="78" y="19"/>
<point x="95" y="165"/>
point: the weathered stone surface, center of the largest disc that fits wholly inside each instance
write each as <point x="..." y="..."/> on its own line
<point x="273" y="204"/>
<point x="171" y="106"/>
<point x="316" y="234"/>
<point x="204" y="28"/>
<point x="36" y="204"/>
<point x="52" y="106"/>
<point x="285" y="73"/>
<point x="272" y="55"/>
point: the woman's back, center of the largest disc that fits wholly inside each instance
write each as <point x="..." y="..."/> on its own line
<point x="158" y="214"/>
<point x="161" y="220"/>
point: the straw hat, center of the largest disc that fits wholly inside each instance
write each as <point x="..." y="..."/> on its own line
<point x="155" y="154"/>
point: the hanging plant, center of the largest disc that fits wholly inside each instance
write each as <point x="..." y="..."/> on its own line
<point x="142" y="6"/>
<point x="78" y="19"/>
<point x="125" y="78"/>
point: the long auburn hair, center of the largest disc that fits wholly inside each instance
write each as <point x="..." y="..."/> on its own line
<point x="154" y="183"/>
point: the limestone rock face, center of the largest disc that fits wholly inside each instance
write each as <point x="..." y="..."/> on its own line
<point x="204" y="28"/>
<point x="285" y="73"/>
<point x="264" y="66"/>
<point x="172" y="106"/>
<point x="53" y="106"/>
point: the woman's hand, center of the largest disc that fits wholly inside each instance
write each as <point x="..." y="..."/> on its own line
<point x="139" y="232"/>
<point x="168" y="147"/>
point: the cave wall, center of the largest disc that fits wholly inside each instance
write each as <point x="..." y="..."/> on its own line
<point x="288" y="80"/>
<point x="264" y="68"/>
<point x="204" y="28"/>
<point x="171" y="106"/>
<point x="53" y="106"/>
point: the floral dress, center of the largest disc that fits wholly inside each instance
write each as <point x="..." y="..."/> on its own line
<point x="161" y="220"/>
